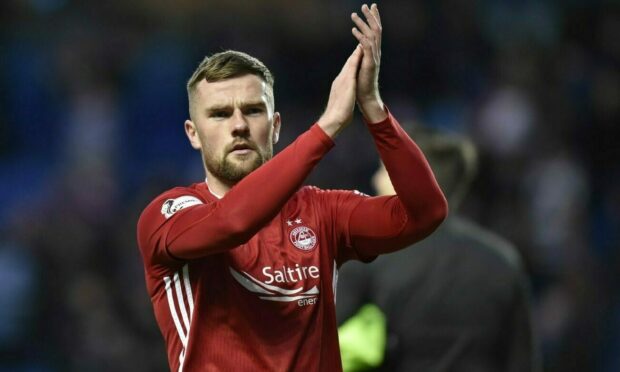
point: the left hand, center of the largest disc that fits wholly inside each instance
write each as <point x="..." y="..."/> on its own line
<point x="341" y="103"/>
<point x="368" y="33"/>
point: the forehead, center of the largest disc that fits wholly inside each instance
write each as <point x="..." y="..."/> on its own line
<point x="243" y="88"/>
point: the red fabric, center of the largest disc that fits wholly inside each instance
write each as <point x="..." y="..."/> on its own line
<point x="259" y="265"/>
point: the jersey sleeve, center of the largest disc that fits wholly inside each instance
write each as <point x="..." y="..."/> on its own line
<point x="337" y="207"/>
<point x="223" y="224"/>
<point x="157" y="220"/>
<point x="365" y="226"/>
<point x="374" y="225"/>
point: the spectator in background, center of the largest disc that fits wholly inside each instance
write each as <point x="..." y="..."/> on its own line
<point x="458" y="301"/>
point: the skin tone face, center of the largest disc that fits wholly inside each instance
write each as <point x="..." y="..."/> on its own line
<point x="234" y="126"/>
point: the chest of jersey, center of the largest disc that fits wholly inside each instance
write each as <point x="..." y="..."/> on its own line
<point x="282" y="262"/>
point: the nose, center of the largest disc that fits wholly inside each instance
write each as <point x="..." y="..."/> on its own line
<point x="240" y="125"/>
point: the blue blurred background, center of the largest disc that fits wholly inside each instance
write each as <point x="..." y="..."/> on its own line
<point x="93" y="101"/>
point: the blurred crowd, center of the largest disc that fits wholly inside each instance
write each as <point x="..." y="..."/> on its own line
<point x="91" y="129"/>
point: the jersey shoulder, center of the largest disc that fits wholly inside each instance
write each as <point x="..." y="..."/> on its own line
<point x="327" y="195"/>
<point x="318" y="190"/>
<point x="328" y="199"/>
<point x="175" y="199"/>
<point x="153" y="222"/>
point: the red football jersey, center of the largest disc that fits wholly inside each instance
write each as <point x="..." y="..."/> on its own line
<point x="256" y="287"/>
<point x="265" y="305"/>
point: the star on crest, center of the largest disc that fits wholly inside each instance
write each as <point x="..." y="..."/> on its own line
<point x="298" y="221"/>
<point x="289" y="223"/>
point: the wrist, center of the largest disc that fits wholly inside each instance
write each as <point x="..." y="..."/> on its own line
<point x="373" y="110"/>
<point x="329" y="126"/>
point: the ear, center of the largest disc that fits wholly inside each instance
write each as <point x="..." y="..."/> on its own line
<point x="192" y="134"/>
<point x="276" y="127"/>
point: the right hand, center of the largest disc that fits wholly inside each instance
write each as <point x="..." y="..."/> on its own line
<point x="339" y="111"/>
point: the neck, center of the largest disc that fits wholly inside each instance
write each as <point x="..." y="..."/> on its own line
<point x="216" y="186"/>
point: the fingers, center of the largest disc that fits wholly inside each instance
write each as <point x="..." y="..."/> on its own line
<point x="371" y="49"/>
<point x="364" y="41"/>
<point x="353" y="58"/>
<point x="352" y="63"/>
<point x="357" y="54"/>
<point x="374" y="9"/>
<point x="370" y="17"/>
<point x="341" y="102"/>
<point x="373" y="20"/>
<point x="361" y="25"/>
<point x="368" y="32"/>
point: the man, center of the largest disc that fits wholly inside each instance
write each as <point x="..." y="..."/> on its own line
<point x="242" y="268"/>
<point x="458" y="301"/>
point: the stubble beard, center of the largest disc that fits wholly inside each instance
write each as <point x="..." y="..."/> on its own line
<point x="229" y="170"/>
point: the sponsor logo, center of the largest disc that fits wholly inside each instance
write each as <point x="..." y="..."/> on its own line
<point x="303" y="238"/>
<point x="290" y="275"/>
<point x="172" y="206"/>
<point x="268" y="292"/>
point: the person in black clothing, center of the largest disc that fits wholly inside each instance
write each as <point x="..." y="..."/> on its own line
<point x="457" y="301"/>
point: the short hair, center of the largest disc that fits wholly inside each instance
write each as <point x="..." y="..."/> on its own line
<point x="227" y="65"/>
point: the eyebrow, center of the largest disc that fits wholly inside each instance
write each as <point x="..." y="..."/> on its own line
<point x="244" y="105"/>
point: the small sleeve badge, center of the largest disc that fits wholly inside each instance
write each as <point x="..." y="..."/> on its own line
<point x="172" y="206"/>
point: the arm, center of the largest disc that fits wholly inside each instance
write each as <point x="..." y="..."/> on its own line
<point x="247" y="207"/>
<point x="383" y="224"/>
<point x="387" y="223"/>
<point x="204" y="229"/>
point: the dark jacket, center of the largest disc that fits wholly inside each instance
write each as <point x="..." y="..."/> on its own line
<point x="456" y="301"/>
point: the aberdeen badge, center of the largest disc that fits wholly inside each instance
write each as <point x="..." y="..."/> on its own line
<point x="303" y="238"/>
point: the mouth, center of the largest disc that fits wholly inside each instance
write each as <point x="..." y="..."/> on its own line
<point x="241" y="148"/>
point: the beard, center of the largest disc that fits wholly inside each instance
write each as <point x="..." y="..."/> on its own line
<point x="230" y="168"/>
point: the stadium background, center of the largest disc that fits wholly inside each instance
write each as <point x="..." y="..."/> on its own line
<point x="91" y="114"/>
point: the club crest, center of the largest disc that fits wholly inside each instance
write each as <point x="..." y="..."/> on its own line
<point x="303" y="238"/>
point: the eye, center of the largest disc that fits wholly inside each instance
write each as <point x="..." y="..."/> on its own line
<point x="219" y="114"/>
<point x="254" y="111"/>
